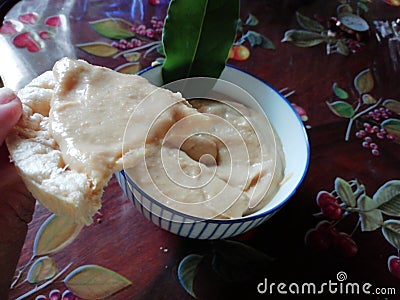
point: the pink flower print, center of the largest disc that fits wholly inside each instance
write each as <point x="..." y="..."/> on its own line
<point x="29" y="18"/>
<point x="7" y="28"/>
<point x="53" y="21"/>
<point x="45" y="35"/>
<point x="25" y="40"/>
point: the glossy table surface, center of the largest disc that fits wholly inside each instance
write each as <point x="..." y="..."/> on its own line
<point x="122" y="240"/>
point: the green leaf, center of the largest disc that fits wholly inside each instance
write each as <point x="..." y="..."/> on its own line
<point x="54" y="234"/>
<point x="197" y="37"/>
<point x="387" y="198"/>
<point x="387" y="192"/>
<point x="256" y="39"/>
<point x="253" y="37"/>
<point x="341" y="109"/>
<point x="393" y="105"/>
<point x="371" y="220"/>
<point x="235" y="261"/>
<point x="99" y="49"/>
<point x="132" y="56"/>
<point x="303" y="38"/>
<point x="344" y="8"/>
<point x="42" y="269"/>
<point x="95" y="282"/>
<point x="251" y="20"/>
<point x="129" y="68"/>
<point x="187" y="271"/>
<point x="345" y="192"/>
<point x="392" y="126"/>
<point x="113" y="28"/>
<point x="365" y="203"/>
<point x="342" y="48"/>
<point x="364" y="82"/>
<point x="267" y="43"/>
<point x="392" y="208"/>
<point x="363" y="6"/>
<point x="391" y="231"/>
<point x="308" y="23"/>
<point x="340" y="93"/>
<point x="368" y="99"/>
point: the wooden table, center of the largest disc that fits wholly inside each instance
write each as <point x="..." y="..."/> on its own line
<point x="127" y="243"/>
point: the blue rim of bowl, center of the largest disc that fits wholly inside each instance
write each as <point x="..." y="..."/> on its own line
<point x="253" y="216"/>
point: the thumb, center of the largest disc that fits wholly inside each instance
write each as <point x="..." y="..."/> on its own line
<point x="10" y="111"/>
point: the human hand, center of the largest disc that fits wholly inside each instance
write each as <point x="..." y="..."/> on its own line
<point x="10" y="111"/>
<point x="16" y="203"/>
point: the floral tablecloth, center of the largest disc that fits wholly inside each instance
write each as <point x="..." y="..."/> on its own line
<point x="337" y="62"/>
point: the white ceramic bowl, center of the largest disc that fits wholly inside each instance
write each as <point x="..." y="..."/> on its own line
<point x="292" y="134"/>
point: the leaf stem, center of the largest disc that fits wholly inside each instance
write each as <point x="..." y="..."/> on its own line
<point x="341" y="219"/>
<point x="350" y="125"/>
<point x="352" y="209"/>
<point x="360" y="191"/>
<point x="355" y="227"/>
<point x="150" y="49"/>
<point x="42" y="286"/>
<point x="137" y="48"/>
<point x="21" y="271"/>
<point x="347" y="136"/>
<point x="318" y="214"/>
<point x="353" y="182"/>
<point x="367" y="109"/>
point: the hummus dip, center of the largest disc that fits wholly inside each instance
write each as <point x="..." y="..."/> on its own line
<point x="228" y="170"/>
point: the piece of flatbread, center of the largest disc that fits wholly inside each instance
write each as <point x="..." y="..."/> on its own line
<point x="80" y="124"/>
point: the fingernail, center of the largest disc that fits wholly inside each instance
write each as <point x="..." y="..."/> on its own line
<point x="6" y="95"/>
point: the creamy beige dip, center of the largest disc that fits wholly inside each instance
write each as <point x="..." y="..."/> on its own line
<point x="231" y="169"/>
